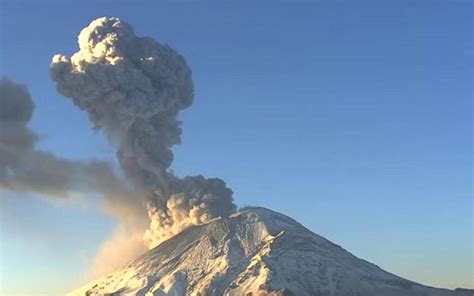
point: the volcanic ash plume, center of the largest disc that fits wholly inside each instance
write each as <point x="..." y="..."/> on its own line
<point x="26" y="169"/>
<point x="133" y="88"/>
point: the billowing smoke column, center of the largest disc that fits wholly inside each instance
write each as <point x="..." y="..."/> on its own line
<point x="26" y="169"/>
<point x="133" y="88"/>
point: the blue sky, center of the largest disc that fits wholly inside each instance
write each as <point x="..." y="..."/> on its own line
<point x="354" y="118"/>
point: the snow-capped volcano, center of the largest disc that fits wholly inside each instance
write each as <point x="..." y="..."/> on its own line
<point x="254" y="252"/>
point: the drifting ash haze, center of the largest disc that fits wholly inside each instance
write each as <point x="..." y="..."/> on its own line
<point x="26" y="169"/>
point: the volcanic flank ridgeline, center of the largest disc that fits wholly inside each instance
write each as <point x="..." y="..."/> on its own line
<point x="254" y="252"/>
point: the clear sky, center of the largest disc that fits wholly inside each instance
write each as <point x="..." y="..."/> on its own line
<point x="352" y="117"/>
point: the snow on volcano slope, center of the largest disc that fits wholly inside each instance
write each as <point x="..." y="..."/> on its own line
<point x="254" y="252"/>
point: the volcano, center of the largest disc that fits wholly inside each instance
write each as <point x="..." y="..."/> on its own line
<point x="254" y="252"/>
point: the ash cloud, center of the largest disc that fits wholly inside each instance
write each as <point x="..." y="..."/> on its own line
<point x="133" y="89"/>
<point x="26" y="169"/>
<point x="124" y="244"/>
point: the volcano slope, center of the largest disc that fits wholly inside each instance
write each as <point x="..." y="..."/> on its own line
<point x="254" y="252"/>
